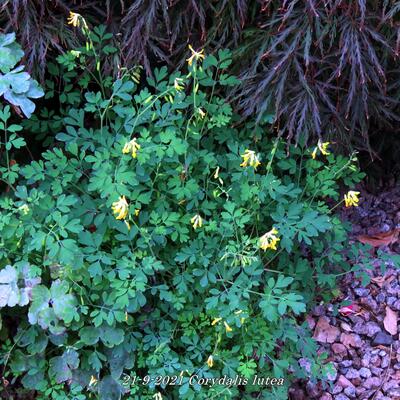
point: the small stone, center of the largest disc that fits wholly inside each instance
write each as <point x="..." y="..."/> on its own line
<point x="367" y="316"/>
<point x="324" y="332"/>
<point x="339" y="348"/>
<point x="376" y="370"/>
<point x="337" y="389"/>
<point x="360" y="390"/>
<point x="382" y="353"/>
<point x="356" y="381"/>
<point x="381" y="297"/>
<point x="372" y="328"/>
<point x="350" y="391"/>
<point x="390" y="384"/>
<point x="393" y="288"/>
<point x="359" y="328"/>
<point x="365" y="372"/>
<point x="351" y="339"/>
<point x="382" y="339"/>
<point x="341" y="396"/>
<point x="352" y="374"/>
<point x="343" y="382"/>
<point x="366" y="360"/>
<point x="372" y="382"/>
<point x="361" y="292"/>
<point x="391" y="300"/>
<point x="310" y="322"/>
<point x="396" y="305"/>
<point x="375" y="360"/>
<point x="326" y="396"/>
<point x="370" y="303"/>
<point x="385" y="362"/>
<point x="319" y="311"/>
<point x="346" y="327"/>
<point x="380" y="396"/>
<point x="346" y="363"/>
<point x="393" y="393"/>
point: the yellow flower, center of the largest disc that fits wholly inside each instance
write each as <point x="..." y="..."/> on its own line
<point x="351" y="198"/>
<point x="73" y="19"/>
<point x="120" y="208"/>
<point x="216" y="173"/>
<point x="201" y="112"/>
<point x="314" y="153"/>
<point x="128" y="225"/>
<point x="93" y="380"/>
<point x="269" y="240"/>
<point x="131" y="146"/>
<point x="178" y="84"/>
<point x="210" y="361"/>
<point x="24" y="209"/>
<point x="250" y="158"/>
<point x="137" y="211"/>
<point x="216" y="320"/>
<point x="227" y="327"/>
<point x="322" y="147"/>
<point x="196" y="221"/>
<point x="196" y="55"/>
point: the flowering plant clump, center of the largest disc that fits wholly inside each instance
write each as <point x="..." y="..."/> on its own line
<point x="351" y="198"/>
<point x="155" y="264"/>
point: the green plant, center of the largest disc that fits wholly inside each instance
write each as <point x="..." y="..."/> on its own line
<point x="147" y="238"/>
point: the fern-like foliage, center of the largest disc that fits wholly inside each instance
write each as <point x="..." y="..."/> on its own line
<point x="321" y="67"/>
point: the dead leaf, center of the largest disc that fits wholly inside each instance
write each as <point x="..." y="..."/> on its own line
<point x="390" y="321"/>
<point x="380" y="239"/>
<point x="324" y="332"/>
<point x="379" y="280"/>
<point x="349" y="339"/>
<point x="348" y="310"/>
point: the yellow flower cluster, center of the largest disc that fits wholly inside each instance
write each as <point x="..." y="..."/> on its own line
<point x="242" y="319"/>
<point x="322" y="147"/>
<point x="120" y="208"/>
<point x="269" y="240"/>
<point x="131" y="147"/>
<point x="93" y="380"/>
<point x="178" y="84"/>
<point x="216" y="320"/>
<point x="73" y="19"/>
<point x="76" y="20"/>
<point x="196" y="55"/>
<point x="351" y="198"/>
<point x="250" y="158"/>
<point x="197" y="221"/>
